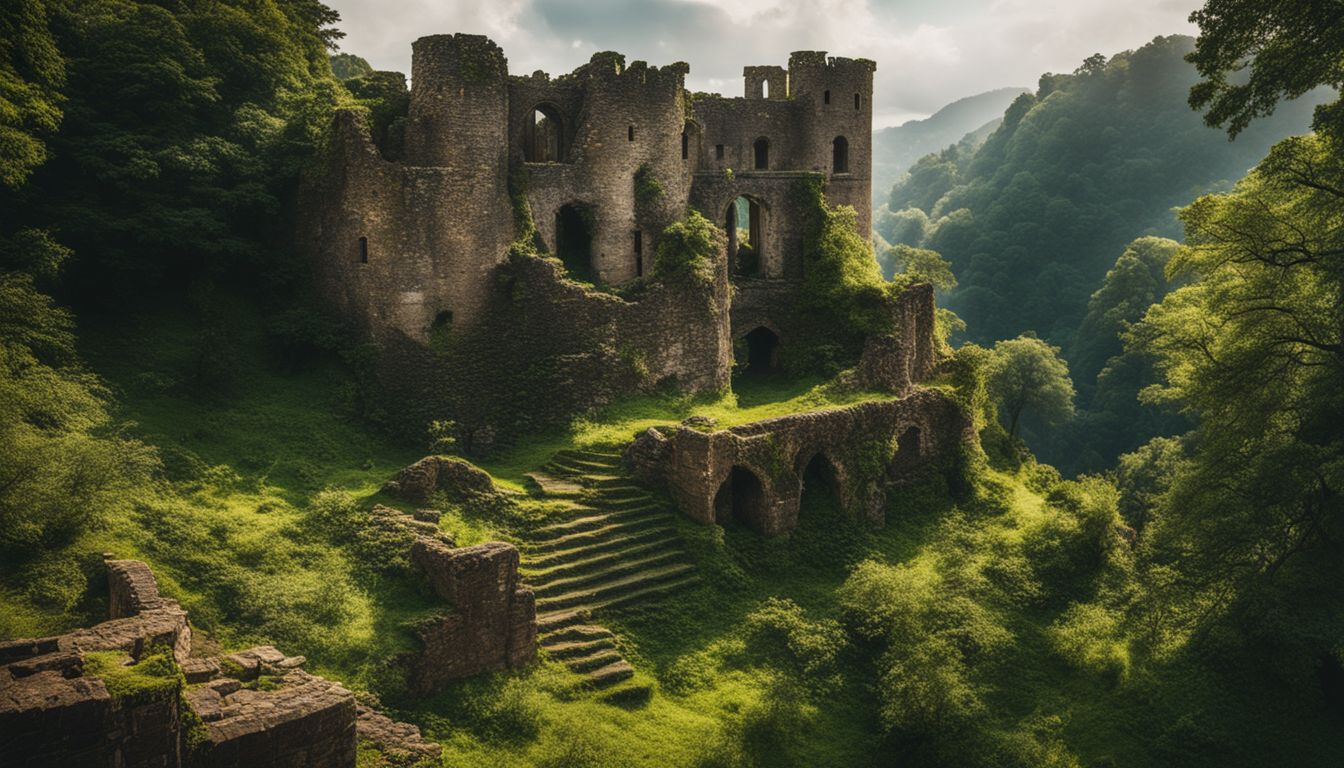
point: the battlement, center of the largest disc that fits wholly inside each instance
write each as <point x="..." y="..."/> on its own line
<point x="469" y="59"/>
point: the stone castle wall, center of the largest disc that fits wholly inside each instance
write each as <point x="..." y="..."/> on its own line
<point x="54" y="714"/>
<point x="755" y="473"/>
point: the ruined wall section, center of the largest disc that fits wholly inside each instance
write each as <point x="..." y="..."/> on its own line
<point x="493" y="622"/>
<point x="552" y="348"/>
<point x="401" y="246"/>
<point x="617" y="119"/>
<point x="873" y="448"/>
<point x="821" y="118"/>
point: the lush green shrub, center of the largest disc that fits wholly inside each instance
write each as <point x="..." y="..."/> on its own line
<point x="1089" y="638"/>
<point x="687" y="250"/>
<point x="779" y="633"/>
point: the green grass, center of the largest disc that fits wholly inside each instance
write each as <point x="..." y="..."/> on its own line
<point x="233" y="533"/>
<point x="753" y="398"/>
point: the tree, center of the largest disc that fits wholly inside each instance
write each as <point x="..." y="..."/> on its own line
<point x="31" y="74"/>
<point x="1252" y="348"/>
<point x="1290" y="46"/>
<point x="1028" y="375"/>
<point x="922" y="265"/>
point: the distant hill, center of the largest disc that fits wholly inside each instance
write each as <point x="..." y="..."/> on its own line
<point x="896" y="149"/>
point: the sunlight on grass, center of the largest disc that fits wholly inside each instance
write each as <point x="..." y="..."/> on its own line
<point x="753" y="398"/>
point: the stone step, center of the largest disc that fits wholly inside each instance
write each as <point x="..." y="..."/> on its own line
<point x="586" y="464"/>
<point x="626" y="692"/>
<point x="582" y="550"/>
<point x="557" y="622"/>
<point x="606" y="484"/>
<point x="609" y="574"/>
<point x="586" y="564"/>
<point x="612" y="457"/>
<point x="575" y="633"/>
<point x="642" y="501"/>
<point x="554" y="487"/>
<point x="595" y="535"/>
<point x="579" y="648"/>
<point x="594" y="661"/>
<point x="613" y="673"/>
<point x="591" y="519"/>
<point x="608" y="592"/>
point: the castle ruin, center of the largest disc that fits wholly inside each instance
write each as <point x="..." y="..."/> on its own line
<point x="410" y="242"/>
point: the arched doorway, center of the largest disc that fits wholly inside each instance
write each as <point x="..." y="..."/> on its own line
<point x="762" y="350"/>
<point x="741" y="499"/>
<point x="543" y="136"/>
<point x="744" y="221"/>
<point x="840" y="155"/>
<point x="574" y="240"/>
<point x="820" y="489"/>
<point x="908" y="451"/>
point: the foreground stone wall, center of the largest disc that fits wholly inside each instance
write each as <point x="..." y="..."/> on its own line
<point x="53" y="714"/>
<point x="755" y="473"/>
<point x="491" y="621"/>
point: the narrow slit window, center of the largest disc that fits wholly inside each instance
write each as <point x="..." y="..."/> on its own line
<point x="363" y="250"/>
<point x="630" y="132"/>
<point x="826" y="97"/>
<point x="858" y="100"/>
<point x="685" y="145"/>
<point x="718" y="151"/>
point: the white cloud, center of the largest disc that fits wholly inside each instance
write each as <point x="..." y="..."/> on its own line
<point x="929" y="52"/>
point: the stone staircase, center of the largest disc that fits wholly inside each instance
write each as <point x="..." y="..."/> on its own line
<point x="615" y="546"/>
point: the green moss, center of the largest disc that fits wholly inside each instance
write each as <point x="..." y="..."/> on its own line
<point x="686" y="251"/>
<point x="648" y="190"/>
<point x="155" y="676"/>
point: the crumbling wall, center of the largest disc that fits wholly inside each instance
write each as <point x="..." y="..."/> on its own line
<point x="493" y="623"/>
<point x="54" y="714"/>
<point x="869" y="447"/>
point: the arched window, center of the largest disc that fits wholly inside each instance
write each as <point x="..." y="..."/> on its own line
<point x="765" y="89"/>
<point x="762" y="147"/>
<point x="744" y="222"/>
<point x="690" y="143"/>
<point x="363" y="250"/>
<point x="840" y="155"/>
<point x="543" y="136"/>
<point x="858" y="100"/>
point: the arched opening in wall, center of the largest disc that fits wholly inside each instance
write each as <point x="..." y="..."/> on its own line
<point x="820" y="491"/>
<point x="908" y="451"/>
<point x="758" y="354"/>
<point x="744" y="221"/>
<point x="440" y="329"/>
<point x="761" y="150"/>
<point x="840" y="155"/>
<point x="690" y="144"/>
<point x="363" y="250"/>
<point x="543" y="136"/>
<point x="741" y="500"/>
<point x="574" y="240"/>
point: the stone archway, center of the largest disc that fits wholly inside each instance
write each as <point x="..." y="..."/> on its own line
<point x="741" y="499"/>
<point x="762" y="351"/>
<point x="746" y="245"/>
<point x="819" y="480"/>
<point x="544" y="135"/>
<point x="574" y="240"/>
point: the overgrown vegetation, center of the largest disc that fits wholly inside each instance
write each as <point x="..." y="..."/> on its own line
<point x="1181" y="608"/>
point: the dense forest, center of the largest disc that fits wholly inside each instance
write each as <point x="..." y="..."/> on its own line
<point x="1042" y="225"/>
<point x="1154" y="310"/>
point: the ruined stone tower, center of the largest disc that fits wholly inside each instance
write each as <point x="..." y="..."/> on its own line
<point x="410" y="244"/>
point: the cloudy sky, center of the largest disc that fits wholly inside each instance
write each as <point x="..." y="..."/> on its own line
<point x="929" y="52"/>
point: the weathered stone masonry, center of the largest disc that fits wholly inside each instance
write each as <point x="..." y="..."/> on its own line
<point x="52" y="714"/>
<point x="755" y="472"/>
<point x="417" y="247"/>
